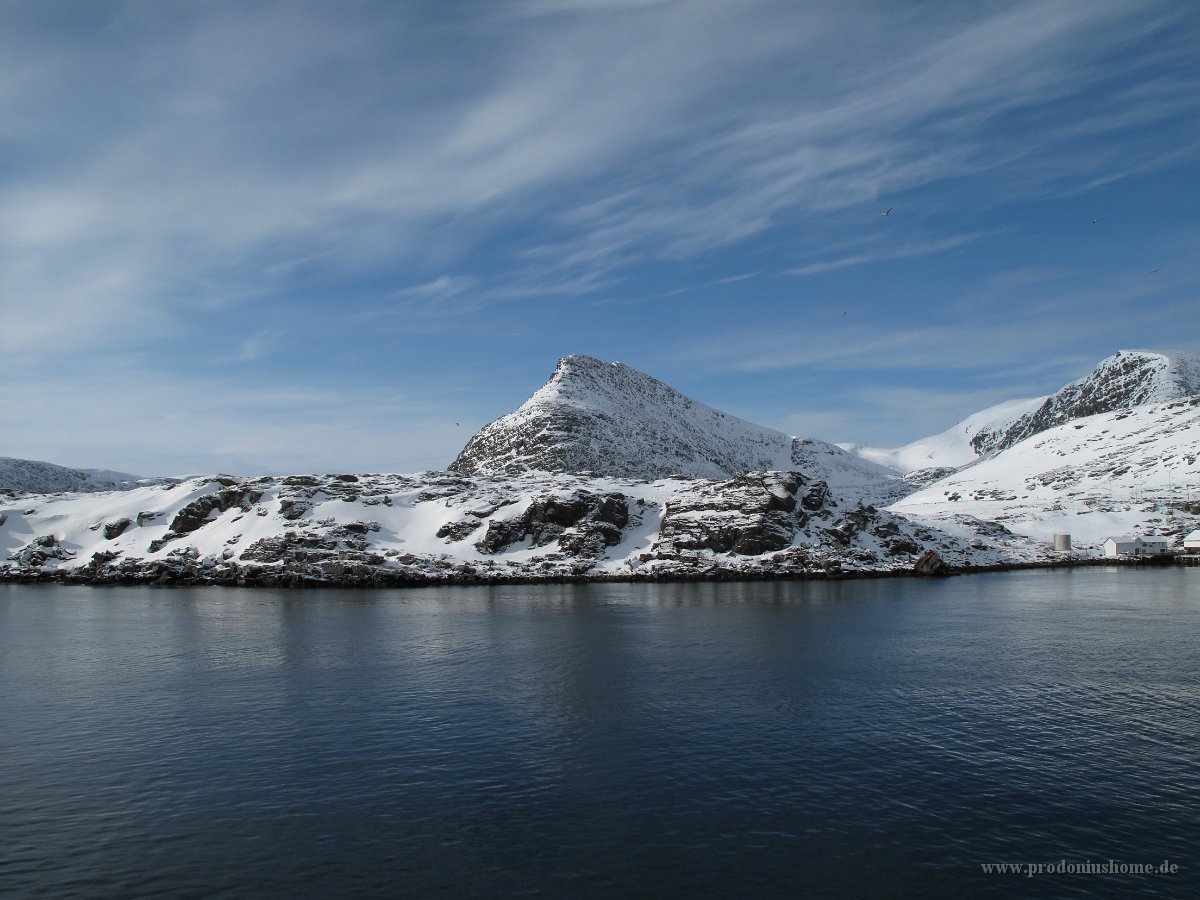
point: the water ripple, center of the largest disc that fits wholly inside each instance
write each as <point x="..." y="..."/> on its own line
<point x="833" y="740"/>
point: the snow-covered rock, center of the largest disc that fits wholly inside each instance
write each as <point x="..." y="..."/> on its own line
<point x="608" y="473"/>
<point x="954" y="447"/>
<point x="448" y="527"/>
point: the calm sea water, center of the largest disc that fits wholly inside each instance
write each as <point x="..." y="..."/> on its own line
<point x="873" y="739"/>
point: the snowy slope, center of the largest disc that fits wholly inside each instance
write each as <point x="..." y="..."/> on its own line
<point x="1130" y="470"/>
<point x="952" y="448"/>
<point x="27" y="475"/>
<point x="439" y="527"/>
<point x="1127" y="379"/>
<point x="609" y="419"/>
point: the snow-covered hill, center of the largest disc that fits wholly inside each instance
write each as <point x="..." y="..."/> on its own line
<point x="445" y="527"/>
<point x="31" y="476"/>
<point x="1125" y="380"/>
<point x="1129" y="470"/>
<point x="608" y="419"/>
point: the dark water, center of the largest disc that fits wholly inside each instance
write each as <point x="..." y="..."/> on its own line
<point x="874" y="739"/>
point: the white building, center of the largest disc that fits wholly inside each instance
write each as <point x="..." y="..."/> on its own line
<point x="1191" y="543"/>
<point x="1135" y="545"/>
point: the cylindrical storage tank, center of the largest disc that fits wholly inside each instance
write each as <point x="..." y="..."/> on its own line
<point x="1062" y="542"/>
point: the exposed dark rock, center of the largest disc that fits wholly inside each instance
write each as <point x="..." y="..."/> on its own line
<point x="116" y="529"/>
<point x="902" y="547"/>
<point x="816" y="496"/>
<point x="460" y="530"/>
<point x="292" y="508"/>
<point x="930" y="564"/>
<point x="586" y="521"/>
<point x="748" y="515"/>
<point x="41" y="550"/>
<point x="194" y="515"/>
<point x="161" y="542"/>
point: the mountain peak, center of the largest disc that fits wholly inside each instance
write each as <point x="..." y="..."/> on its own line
<point x="1127" y="379"/>
<point x="608" y="419"/>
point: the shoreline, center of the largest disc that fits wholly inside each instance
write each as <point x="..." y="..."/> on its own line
<point x="384" y="579"/>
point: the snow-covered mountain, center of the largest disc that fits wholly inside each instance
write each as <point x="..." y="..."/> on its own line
<point x="31" y="476"/>
<point x="1129" y="470"/>
<point x="608" y="419"/>
<point x="1125" y="380"/>
<point x="608" y="473"/>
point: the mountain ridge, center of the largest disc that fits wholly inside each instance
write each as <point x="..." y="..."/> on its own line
<point x="35" y="476"/>
<point x="1124" y="380"/>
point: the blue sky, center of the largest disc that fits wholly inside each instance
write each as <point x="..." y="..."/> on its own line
<point x="269" y="237"/>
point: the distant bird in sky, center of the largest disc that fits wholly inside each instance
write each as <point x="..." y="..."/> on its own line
<point x="887" y="212"/>
<point x="1152" y="271"/>
<point x="1094" y="221"/>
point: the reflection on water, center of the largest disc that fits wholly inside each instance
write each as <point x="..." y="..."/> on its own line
<point x="871" y="738"/>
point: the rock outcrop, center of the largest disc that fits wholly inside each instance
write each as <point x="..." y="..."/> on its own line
<point x="443" y="527"/>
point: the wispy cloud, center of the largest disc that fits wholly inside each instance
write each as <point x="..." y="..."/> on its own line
<point x="181" y="176"/>
<point x="904" y="251"/>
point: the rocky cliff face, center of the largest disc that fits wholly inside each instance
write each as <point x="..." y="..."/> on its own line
<point x="1128" y="379"/>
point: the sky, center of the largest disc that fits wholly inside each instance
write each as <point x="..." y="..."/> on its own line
<point x="269" y="237"/>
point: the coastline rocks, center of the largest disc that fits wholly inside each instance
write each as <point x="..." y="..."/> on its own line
<point x="930" y="564"/>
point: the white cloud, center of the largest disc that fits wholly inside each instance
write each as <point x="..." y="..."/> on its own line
<point x="903" y="251"/>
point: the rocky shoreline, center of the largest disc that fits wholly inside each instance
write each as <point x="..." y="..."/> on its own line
<point x="168" y="577"/>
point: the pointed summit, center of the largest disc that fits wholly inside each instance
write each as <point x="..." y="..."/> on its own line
<point x="609" y="419"/>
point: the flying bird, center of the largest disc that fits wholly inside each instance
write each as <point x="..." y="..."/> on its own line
<point x="1094" y="221"/>
<point x="887" y="212"/>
